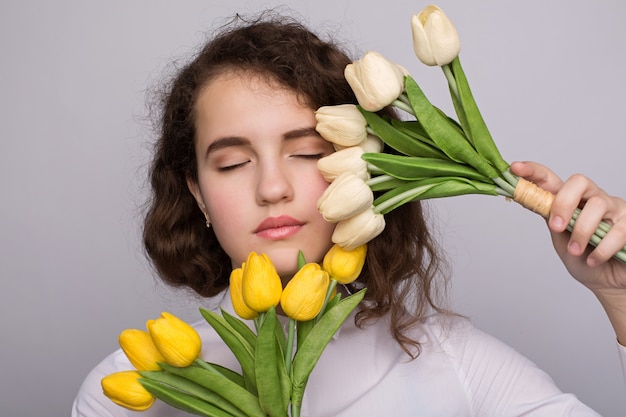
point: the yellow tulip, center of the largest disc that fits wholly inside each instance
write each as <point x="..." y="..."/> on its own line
<point x="304" y="295"/>
<point x="346" y="196"/>
<point x="355" y="231"/>
<point x="178" y="342"/>
<point x="376" y="81"/>
<point x="342" y="124"/>
<point x="140" y="350"/>
<point x="435" y="39"/>
<point x="236" y="296"/>
<point x="344" y="266"/>
<point x="261" y="287"/>
<point x="124" y="389"/>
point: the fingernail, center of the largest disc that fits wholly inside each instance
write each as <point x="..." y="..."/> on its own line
<point x="574" y="248"/>
<point x="557" y="222"/>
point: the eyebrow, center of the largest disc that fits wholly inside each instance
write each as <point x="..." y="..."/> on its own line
<point x="232" y="141"/>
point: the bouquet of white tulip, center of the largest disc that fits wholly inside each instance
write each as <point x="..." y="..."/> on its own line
<point x="435" y="155"/>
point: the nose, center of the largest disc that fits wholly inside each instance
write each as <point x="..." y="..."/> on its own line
<point x="273" y="183"/>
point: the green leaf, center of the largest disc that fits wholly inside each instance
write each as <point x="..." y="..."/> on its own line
<point x="472" y="120"/>
<point x="240" y="327"/>
<point x="267" y="369"/>
<point x="181" y="400"/>
<point x="397" y="139"/>
<point x="221" y="386"/>
<point x="412" y="167"/>
<point x="414" y="129"/>
<point x="444" y="133"/>
<point x="240" y="347"/>
<point x="311" y="349"/>
<point x="301" y="259"/>
<point x="431" y="188"/>
<point x="228" y="373"/>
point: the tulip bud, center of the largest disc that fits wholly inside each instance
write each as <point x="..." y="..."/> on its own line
<point x="304" y="295"/>
<point x="435" y="39"/>
<point x="124" y="389"/>
<point x="261" y="284"/>
<point x="371" y="144"/>
<point x="342" y="124"/>
<point x="357" y="230"/>
<point x="140" y="350"/>
<point x="236" y="296"/>
<point x="376" y="81"/>
<point x="345" y="196"/>
<point x="178" y="342"/>
<point x="344" y="266"/>
<point x="345" y="160"/>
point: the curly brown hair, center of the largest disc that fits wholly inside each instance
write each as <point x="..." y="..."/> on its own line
<point x="401" y="263"/>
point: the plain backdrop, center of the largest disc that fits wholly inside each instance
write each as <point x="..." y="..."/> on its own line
<point x="75" y="141"/>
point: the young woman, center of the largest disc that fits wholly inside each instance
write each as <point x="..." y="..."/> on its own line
<point x="234" y="171"/>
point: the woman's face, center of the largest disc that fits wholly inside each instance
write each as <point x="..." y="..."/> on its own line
<point x="257" y="150"/>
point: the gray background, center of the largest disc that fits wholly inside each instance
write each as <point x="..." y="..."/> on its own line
<point x="548" y="76"/>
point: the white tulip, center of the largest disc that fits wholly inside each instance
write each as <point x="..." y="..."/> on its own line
<point x="435" y="39"/>
<point x="345" y="196"/>
<point x="371" y="144"/>
<point x="345" y="160"/>
<point x="343" y="124"/>
<point x="376" y="81"/>
<point x="357" y="230"/>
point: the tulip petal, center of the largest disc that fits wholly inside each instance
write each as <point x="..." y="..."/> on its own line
<point x="357" y="230"/>
<point x="140" y="350"/>
<point x="178" y="342"/>
<point x="124" y="389"/>
<point x="345" y="197"/>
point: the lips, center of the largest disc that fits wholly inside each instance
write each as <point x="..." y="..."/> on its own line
<point x="278" y="227"/>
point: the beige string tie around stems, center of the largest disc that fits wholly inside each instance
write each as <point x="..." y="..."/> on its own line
<point x="533" y="198"/>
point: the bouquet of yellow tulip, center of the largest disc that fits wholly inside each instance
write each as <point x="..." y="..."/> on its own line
<point x="275" y="366"/>
<point x="434" y="155"/>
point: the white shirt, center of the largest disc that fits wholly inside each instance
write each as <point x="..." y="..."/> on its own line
<point x="461" y="372"/>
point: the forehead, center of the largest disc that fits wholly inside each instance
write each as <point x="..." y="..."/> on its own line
<point x="240" y="103"/>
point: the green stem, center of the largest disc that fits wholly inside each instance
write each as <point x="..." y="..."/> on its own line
<point x="502" y="192"/>
<point x="289" y="350"/>
<point x="295" y="410"/>
<point x="403" y="106"/>
<point x="510" y="178"/>
<point x="451" y="80"/>
<point x="504" y="185"/>
<point x="329" y="291"/>
<point x="393" y="200"/>
<point x="379" y="179"/>
<point x="258" y="322"/>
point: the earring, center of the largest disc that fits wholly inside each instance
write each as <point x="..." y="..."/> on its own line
<point x="208" y="222"/>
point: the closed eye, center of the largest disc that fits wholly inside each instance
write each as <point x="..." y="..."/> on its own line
<point x="231" y="167"/>
<point x="315" y="156"/>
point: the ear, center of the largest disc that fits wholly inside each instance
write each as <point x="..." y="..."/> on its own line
<point x="194" y="189"/>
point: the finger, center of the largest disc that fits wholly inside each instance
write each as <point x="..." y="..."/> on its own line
<point x="573" y="194"/>
<point x="613" y="242"/>
<point x="538" y="174"/>
<point x="586" y="224"/>
<point x="615" y="239"/>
